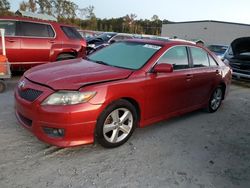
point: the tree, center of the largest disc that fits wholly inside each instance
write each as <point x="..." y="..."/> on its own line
<point x="28" y="6"/>
<point x="4" y="8"/>
<point x="155" y="18"/>
<point x="129" y="22"/>
<point x="64" y="9"/>
<point x="87" y="12"/>
<point x="45" y="6"/>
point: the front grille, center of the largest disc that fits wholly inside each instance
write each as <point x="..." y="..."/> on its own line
<point x="25" y="120"/>
<point x="29" y="94"/>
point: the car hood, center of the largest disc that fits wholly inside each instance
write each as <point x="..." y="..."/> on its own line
<point x="240" y="45"/>
<point x="74" y="74"/>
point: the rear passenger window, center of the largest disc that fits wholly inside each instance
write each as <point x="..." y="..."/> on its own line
<point x="9" y="26"/>
<point x="36" y="30"/>
<point x="200" y="57"/>
<point x="71" y="32"/>
<point x="212" y="61"/>
<point x="177" y="56"/>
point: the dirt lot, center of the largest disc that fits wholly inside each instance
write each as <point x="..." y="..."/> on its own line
<point x="197" y="150"/>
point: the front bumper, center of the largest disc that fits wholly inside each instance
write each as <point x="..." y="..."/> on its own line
<point x="77" y="121"/>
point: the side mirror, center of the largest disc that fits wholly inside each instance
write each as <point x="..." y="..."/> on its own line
<point x="163" y="68"/>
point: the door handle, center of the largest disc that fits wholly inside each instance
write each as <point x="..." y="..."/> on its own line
<point x="11" y="40"/>
<point x="189" y="76"/>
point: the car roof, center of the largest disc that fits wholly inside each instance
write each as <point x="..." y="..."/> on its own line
<point x="162" y="42"/>
<point x="20" y="18"/>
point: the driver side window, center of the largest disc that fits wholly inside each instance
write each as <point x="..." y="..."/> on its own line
<point x="177" y="56"/>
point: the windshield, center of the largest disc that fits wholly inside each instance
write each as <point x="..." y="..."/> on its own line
<point x="129" y="55"/>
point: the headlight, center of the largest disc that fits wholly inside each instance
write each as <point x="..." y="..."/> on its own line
<point x="68" y="98"/>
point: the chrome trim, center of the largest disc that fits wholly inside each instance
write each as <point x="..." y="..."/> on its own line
<point x="187" y="56"/>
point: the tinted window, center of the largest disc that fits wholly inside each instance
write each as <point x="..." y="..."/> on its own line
<point x="71" y="32"/>
<point x="200" y="57"/>
<point x="128" y="55"/>
<point x="9" y="26"/>
<point x="36" y="30"/>
<point x="212" y="61"/>
<point x="176" y="56"/>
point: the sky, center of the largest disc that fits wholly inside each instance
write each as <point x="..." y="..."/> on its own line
<point x="173" y="10"/>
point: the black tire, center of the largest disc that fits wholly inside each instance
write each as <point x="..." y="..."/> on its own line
<point x="65" y="56"/>
<point x="215" y="99"/>
<point x="122" y="108"/>
<point x="2" y="86"/>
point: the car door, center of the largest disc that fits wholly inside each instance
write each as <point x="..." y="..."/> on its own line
<point x="36" y="40"/>
<point x="204" y="75"/>
<point x="12" y="42"/>
<point x="167" y="92"/>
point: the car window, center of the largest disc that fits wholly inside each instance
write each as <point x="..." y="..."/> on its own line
<point x="9" y="26"/>
<point x="36" y="30"/>
<point x="129" y="55"/>
<point x="200" y="57"/>
<point x="71" y="32"/>
<point x="212" y="61"/>
<point x="177" y="56"/>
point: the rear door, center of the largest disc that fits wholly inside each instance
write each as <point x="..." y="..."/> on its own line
<point x="36" y="40"/>
<point x="205" y="75"/>
<point x="12" y="42"/>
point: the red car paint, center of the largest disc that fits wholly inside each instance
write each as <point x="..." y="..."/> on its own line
<point x="28" y="50"/>
<point x="157" y="96"/>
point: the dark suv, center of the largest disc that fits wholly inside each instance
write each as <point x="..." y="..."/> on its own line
<point x="30" y="42"/>
<point x="238" y="57"/>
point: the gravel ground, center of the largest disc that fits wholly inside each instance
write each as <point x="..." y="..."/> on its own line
<point x="197" y="150"/>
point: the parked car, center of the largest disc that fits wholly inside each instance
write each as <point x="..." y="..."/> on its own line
<point x="105" y="39"/>
<point x="219" y="50"/>
<point x="128" y="84"/>
<point x="238" y="57"/>
<point x="30" y="42"/>
<point x="88" y="34"/>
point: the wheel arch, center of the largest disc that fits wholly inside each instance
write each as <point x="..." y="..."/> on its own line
<point x="223" y="85"/>
<point x="136" y="105"/>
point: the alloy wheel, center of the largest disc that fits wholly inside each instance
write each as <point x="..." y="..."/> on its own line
<point x="118" y="125"/>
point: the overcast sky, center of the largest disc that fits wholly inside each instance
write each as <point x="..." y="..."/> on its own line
<point x="173" y="10"/>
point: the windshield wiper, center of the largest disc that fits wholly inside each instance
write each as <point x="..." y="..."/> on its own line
<point x="96" y="61"/>
<point x="100" y="62"/>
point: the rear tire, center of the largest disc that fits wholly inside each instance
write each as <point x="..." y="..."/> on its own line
<point x="65" y="56"/>
<point x="215" y="100"/>
<point x="116" y="124"/>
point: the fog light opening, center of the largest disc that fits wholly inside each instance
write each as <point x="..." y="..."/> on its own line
<point x="54" y="132"/>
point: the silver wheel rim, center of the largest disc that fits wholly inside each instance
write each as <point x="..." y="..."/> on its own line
<point x="118" y="125"/>
<point x="216" y="100"/>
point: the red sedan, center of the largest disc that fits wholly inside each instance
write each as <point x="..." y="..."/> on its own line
<point x="129" y="84"/>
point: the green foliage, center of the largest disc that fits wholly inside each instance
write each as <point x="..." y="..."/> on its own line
<point x="4" y="8"/>
<point x="66" y="11"/>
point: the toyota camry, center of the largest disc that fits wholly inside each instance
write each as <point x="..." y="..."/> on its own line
<point x="126" y="85"/>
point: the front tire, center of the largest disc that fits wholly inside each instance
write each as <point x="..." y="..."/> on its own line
<point x="215" y="100"/>
<point x="116" y="124"/>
